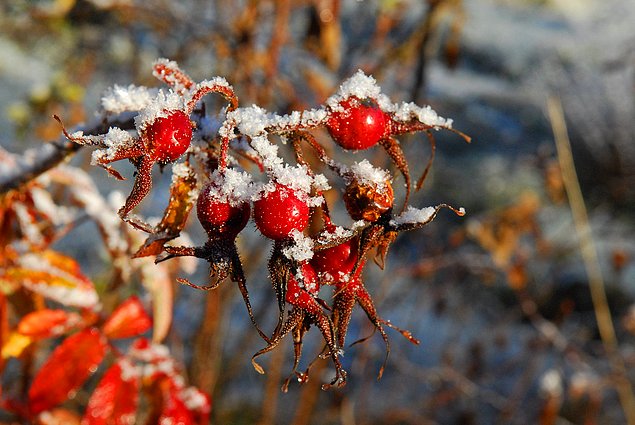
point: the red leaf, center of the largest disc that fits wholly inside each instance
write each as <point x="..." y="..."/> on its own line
<point x="47" y="323"/>
<point x="66" y="369"/>
<point x="128" y="320"/>
<point x="114" y="401"/>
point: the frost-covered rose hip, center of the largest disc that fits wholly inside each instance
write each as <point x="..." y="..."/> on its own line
<point x="218" y="217"/>
<point x="359" y="125"/>
<point x="277" y="214"/>
<point x="167" y="138"/>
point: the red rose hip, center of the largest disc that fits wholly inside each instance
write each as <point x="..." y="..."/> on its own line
<point x="168" y="137"/>
<point x="334" y="264"/>
<point x="360" y="125"/>
<point x="218" y="217"/>
<point x="277" y="214"/>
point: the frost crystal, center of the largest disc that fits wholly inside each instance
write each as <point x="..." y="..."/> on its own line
<point x="129" y="372"/>
<point x="161" y="106"/>
<point x="118" y="138"/>
<point x="359" y="85"/>
<point x="302" y="248"/>
<point x="414" y="215"/>
<point x="365" y="173"/>
<point x="214" y="82"/>
<point x="337" y="233"/>
<point x="194" y="399"/>
<point x="425" y="115"/>
<point x="118" y="99"/>
<point x="233" y="186"/>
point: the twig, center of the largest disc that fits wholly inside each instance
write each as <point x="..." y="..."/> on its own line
<point x="589" y="255"/>
<point x="35" y="162"/>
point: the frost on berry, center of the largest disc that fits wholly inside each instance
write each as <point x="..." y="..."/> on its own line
<point x="219" y="217"/>
<point x="168" y="137"/>
<point x="358" y="124"/>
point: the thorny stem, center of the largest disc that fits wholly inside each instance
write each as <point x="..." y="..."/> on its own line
<point x="589" y="255"/>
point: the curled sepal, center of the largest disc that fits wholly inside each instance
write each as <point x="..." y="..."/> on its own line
<point x="114" y="401"/>
<point x="66" y="369"/>
<point x="393" y="149"/>
<point x="346" y="296"/>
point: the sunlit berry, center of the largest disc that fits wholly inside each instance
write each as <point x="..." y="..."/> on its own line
<point x="360" y="125"/>
<point x="336" y="263"/>
<point x="277" y="214"/>
<point x="168" y="137"/>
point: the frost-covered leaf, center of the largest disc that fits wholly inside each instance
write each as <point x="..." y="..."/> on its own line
<point x="128" y="320"/>
<point x="54" y="276"/>
<point x="47" y="323"/>
<point x="182" y="198"/>
<point x="114" y="401"/>
<point x="66" y="369"/>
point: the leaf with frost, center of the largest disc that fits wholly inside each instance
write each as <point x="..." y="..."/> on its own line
<point x="54" y="276"/>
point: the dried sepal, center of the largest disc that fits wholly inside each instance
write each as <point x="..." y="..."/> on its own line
<point x="182" y="197"/>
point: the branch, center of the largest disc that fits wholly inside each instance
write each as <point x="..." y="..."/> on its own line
<point x="34" y="162"/>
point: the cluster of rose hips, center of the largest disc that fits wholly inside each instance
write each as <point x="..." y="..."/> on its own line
<point x="285" y="199"/>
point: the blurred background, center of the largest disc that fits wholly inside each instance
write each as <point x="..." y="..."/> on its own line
<point x="500" y="298"/>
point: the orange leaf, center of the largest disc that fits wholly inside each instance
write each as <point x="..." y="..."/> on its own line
<point x="66" y="369"/>
<point x="114" y="401"/>
<point x="47" y="323"/>
<point x="128" y="320"/>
